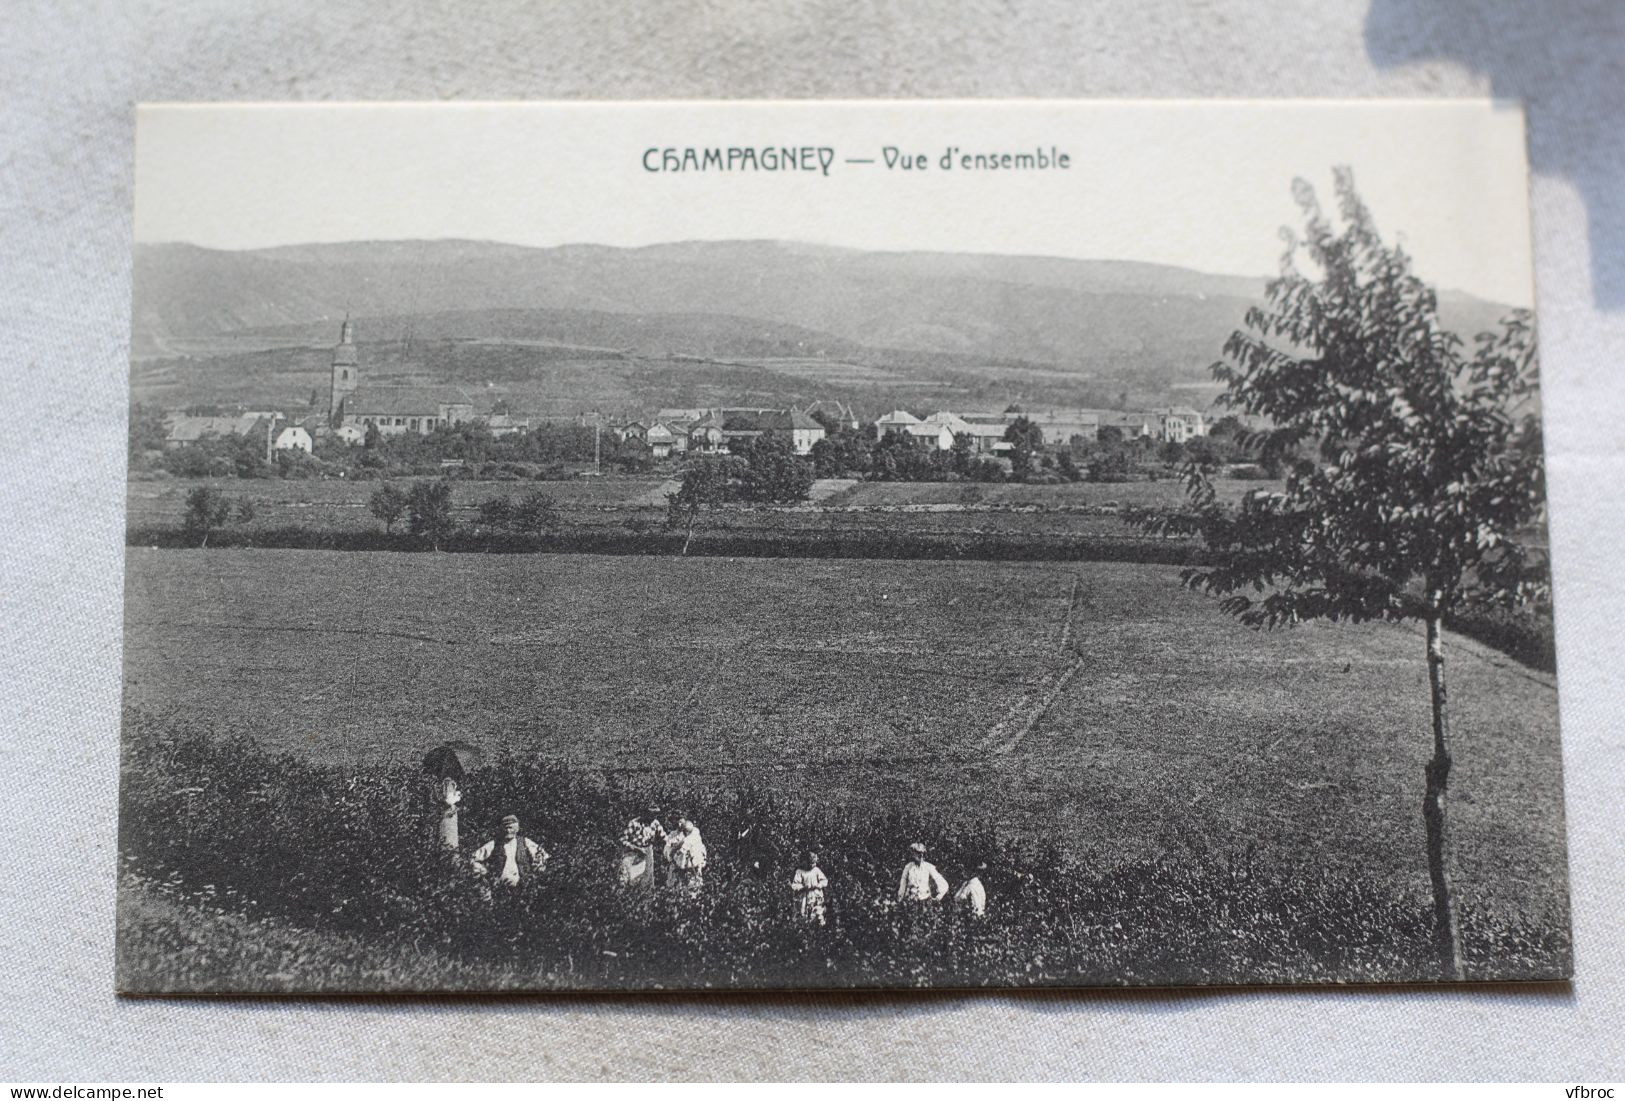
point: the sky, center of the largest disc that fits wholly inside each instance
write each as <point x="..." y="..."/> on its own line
<point x="1199" y="184"/>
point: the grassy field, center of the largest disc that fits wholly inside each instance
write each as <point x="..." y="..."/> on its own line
<point x="1097" y="707"/>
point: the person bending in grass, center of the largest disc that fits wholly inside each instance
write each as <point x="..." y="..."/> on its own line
<point x="511" y="859"/>
<point x="971" y="898"/>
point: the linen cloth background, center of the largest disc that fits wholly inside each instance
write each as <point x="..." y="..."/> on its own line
<point x="70" y="74"/>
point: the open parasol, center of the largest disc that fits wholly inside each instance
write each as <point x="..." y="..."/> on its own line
<point x="453" y="759"/>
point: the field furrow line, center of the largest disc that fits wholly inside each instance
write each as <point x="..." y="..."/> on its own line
<point x="1071" y="606"/>
<point x="1003" y="739"/>
<point x="296" y="629"/>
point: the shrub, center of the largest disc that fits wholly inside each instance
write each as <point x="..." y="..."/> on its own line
<point x="534" y="513"/>
<point x="497" y="513"/>
<point x="351" y="853"/>
<point x="206" y="509"/>
<point x="388" y="504"/>
<point x="428" y="511"/>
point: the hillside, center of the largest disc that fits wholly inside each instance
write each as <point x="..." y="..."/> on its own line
<point x="1044" y="309"/>
<point x="915" y="318"/>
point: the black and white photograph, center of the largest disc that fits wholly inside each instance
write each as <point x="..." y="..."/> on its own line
<point x="797" y="545"/>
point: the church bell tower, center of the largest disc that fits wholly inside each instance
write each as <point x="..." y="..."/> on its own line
<point x="346" y="372"/>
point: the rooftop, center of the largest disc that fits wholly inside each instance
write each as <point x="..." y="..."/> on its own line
<point x="401" y="401"/>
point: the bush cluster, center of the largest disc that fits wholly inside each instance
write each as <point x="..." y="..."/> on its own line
<point x="351" y="853"/>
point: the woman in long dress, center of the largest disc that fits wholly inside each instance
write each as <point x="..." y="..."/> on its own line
<point x="638" y="841"/>
<point x="686" y="855"/>
<point x="808" y="886"/>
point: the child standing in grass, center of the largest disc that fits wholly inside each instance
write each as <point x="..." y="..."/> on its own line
<point x="686" y="854"/>
<point x="808" y="885"/>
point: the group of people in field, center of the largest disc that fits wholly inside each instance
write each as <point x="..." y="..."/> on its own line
<point x="652" y="855"/>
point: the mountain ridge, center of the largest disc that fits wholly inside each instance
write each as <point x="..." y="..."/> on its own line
<point x="912" y="318"/>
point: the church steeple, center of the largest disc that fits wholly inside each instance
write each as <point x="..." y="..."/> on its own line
<point x="346" y="371"/>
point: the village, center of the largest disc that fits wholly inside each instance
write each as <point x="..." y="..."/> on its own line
<point x="356" y="412"/>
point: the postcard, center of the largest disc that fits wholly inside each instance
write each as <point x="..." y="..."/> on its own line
<point x="683" y="546"/>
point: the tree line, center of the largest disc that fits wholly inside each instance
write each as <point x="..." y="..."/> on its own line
<point x="543" y="453"/>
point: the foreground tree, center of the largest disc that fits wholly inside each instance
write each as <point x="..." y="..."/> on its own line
<point x="206" y="509"/>
<point x="428" y="511"/>
<point x="1413" y="469"/>
<point x="388" y="505"/>
<point x="708" y="481"/>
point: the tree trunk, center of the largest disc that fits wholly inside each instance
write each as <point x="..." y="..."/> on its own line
<point x="1446" y="936"/>
<point x="692" y="517"/>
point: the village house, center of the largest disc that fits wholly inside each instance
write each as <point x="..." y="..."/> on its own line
<point x="663" y="440"/>
<point x="741" y="426"/>
<point x="503" y="421"/>
<point x="268" y="430"/>
<point x="934" y="432"/>
<point x="683" y="418"/>
<point x="804" y="431"/>
<point x="986" y="437"/>
<point x="1178" y="424"/>
<point x="292" y="437"/>
<point x="184" y="430"/>
<point x="706" y="437"/>
<point x="1132" y="426"/>
<point x="896" y="420"/>
<point x="936" y="436"/>
<point x="1059" y="426"/>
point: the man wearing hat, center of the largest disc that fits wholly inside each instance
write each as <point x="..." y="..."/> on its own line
<point x="510" y="859"/>
<point x="971" y="897"/>
<point x="921" y="882"/>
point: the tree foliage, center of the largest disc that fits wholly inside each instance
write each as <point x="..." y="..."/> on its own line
<point x="206" y="509"/>
<point x="428" y="509"/>
<point x="1414" y="466"/>
<point x="1026" y="440"/>
<point x="388" y="505"/>
<point x="533" y="513"/>
<point x="708" y="481"/>
<point x="774" y="473"/>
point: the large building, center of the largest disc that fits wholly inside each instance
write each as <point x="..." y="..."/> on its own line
<point x="741" y="426"/>
<point x="393" y="410"/>
<point x="1059" y="426"/>
<point x="1178" y="424"/>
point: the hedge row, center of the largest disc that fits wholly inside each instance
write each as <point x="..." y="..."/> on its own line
<point x="1526" y="636"/>
<point x="976" y="546"/>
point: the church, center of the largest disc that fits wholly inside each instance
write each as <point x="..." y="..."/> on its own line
<point x="393" y="410"/>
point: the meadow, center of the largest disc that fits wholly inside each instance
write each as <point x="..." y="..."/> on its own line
<point x="1093" y="723"/>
